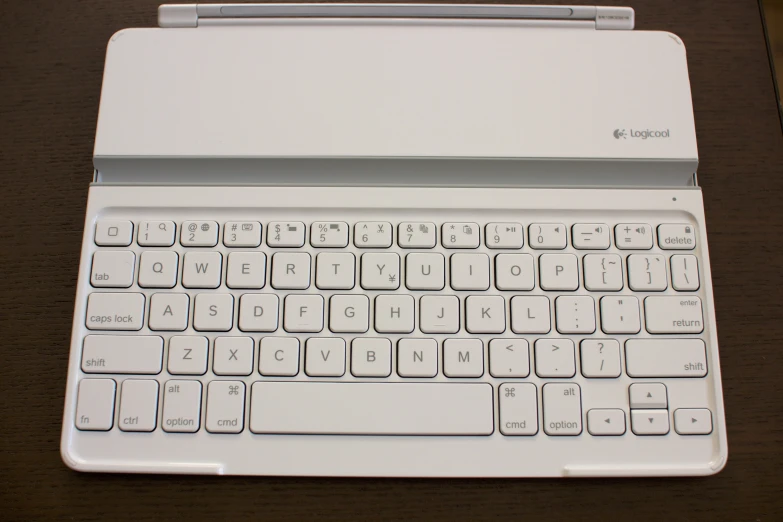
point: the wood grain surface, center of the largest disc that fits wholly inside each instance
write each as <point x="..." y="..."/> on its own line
<point x="51" y="60"/>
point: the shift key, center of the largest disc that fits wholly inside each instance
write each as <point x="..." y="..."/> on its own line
<point x="676" y="315"/>
<point x="115" y="311"/>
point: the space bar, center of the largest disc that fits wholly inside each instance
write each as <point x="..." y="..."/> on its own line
<point x="340" y="408"/>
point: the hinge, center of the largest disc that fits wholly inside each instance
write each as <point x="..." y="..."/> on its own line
<point x="189" y="15"/>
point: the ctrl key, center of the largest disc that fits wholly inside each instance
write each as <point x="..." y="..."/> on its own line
<point x="95" y="404"/>
<point x="181" y="406"/>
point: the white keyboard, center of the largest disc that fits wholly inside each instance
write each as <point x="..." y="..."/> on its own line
<point x="305" y="340"/>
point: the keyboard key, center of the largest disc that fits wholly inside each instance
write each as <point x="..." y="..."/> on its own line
<point x="485" y="314"/>
<point x="181" y="406"/>
<point x="303" y="313"/>
<point x="558" y="272"/>
<point x="158" y="269"/>
<point x="380" y="271"/>
<point x="115" y="311"/>
<point x="279" y="356"/>
<point x="514" y="272"/>
<point x="335" y="271"/>
<point x="138" y="405"/>
<point x="650" y="422"/>
<point x="112" y="268"/>
<point x="439" y="314"/>
<point x="600" y="358"/>
<point x="113" y="232"/>
<point x="246" y="270"/>
<point x="463" y="358"/>
<point x="169" y="312"/>
<point x="242" y="234"/>
<point x="547" y="235"/>
<point x="504" y="235"/>
<point x="470" y="271"/>
<point x="417" y="357"/>
<point x="233" y="356"/>
<point x="291" y="270"/>
<point x="213" y="312"/>
<point x="665" y="358"/>
<point x="199" y="234"/>
<point x="285" y="234"/>
<point x="676" y="237"/>
<point x="575" y="315"/>
<point x="530" y="314"/>
<point x="395" y="408"/>
<point x="258" y="312"/>
<point x="325" y="357"/>
<point x="685" y="273"/>
<point x="647" y="273"/>
<point x="518" y="408"/>
<point x="606" y="422"/>
<point x="620" y="314"/>
<point x="590" y="236"/>
<point x="394" y="314"/>
<point x="509" y="358"/>
<point x="425" y="271"/>
<point x="555" y="358"/>
<point x="603" y="272"/>
<point x="188" y="355"/>
<point x="140" y="354"/>
<point x="673" y="315"/>
<point x="648" y="395"/>
<point x="95" y="404"/>
<point x="562" y="409"/>
<point x="372" y="234"/>
<point x="370" y="357"/>
<point x="416" y="235"/>
<point x="633" y="236"/>
<point x="460" y="235"/>
<point x="157" y="233"/>
<point x="349" y="313"/>
<point x="329" y="234"/>
<point x="202" y="269"/>
<point x="693" y="421"/>
<point x="225" y="407"/>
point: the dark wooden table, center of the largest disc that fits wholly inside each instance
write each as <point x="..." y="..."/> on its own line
<point x="51" y="60"/>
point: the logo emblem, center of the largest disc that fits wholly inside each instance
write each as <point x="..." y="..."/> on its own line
<point x="619" y="133"/>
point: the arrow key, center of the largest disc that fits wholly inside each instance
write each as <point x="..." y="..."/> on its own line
<point x="693" y="421"/>
<point x="650" y="422"/>
<point x="606" y="422"/>
<point x="650" y="395"/>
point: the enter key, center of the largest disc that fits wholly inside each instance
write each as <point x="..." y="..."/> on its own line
<point x="673" y="314"/>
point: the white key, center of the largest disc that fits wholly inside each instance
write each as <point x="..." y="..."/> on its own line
<point x="112" y="268"/>
<point x="620" y="314"/>
<point x="463" y="358"/>
<point x="547" y="235"/>
<point x="95" y="404"/>
<point x="335" y="271"/>
<point x="279" y="356"/>
<point x="115" y="311"/>
<point x="138" y="405"/>
<point x="530" y="314"/>
<point x="665" y="358"/>
<point x="425" y="271"/>
<point x="647" y="272"/>
<point x="460" y="235"/>
<point x="349" y="313"/>
<point x="485" y="314"/>
<point x="555" y="358"/>
<point x="199" y="234"/>
<point x="233" y="356"/>
<point x="181" y="406"/>
<point x="439" y="314"/>
<point x="291" y="270"/>
<point x="213" y="312"/>
<point x="157" y="233"/>
<point x="113" y="232"/>
<point x="242" y="234"/>
<point x="188" y="355"/>
<point x="285" y="234"/>
<point x="225" y="407"/>
<point x="416" y="235"/>
<point x="372" y="234"/>
<point x="603" y="272"/>
<point x="575" y="314"/>
<point x="158" y="269"/>
<point x="648" y="395"/>
<point x="562" y="409"/>
<point x="693" y="421"/>
<point x="380" y="271"/>
<point x="340" y="408"/>
<point x="650" y="422"/>
<point x="394" y="314"/>
<point x="590" y="236"/>
<point x="633" y="236"/>
<point x="325" y="357"/>
<point x="469" y="271"/>
<point x="202" y="269"/>
<point x="246" y="270"/>
<point x="518" y="408"/>
<point x="504" y="235"/>
<point x="673" y="314"/>
<point x="558" y="272"/>
<point x="685" y="273"/>
<point x="600" y="358"/>
<point x="329" y="234"/>
<point x="169" y="312"/>
<point x="676" y="237"/>
<point x="509" y="358"/>
<point x="606" y="422"/>
<point x="258" y="312"/>
<point x="417" y="357"/>
<point x="370" y="357"/>
<point x="303" y="313"/>
<point x="514" y="272"/>
<point x="142" y="354"/>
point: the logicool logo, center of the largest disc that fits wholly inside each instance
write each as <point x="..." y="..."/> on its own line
<point x="640" y="134"/>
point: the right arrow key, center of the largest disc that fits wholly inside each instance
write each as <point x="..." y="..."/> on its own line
<point x="693" y="421"/>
